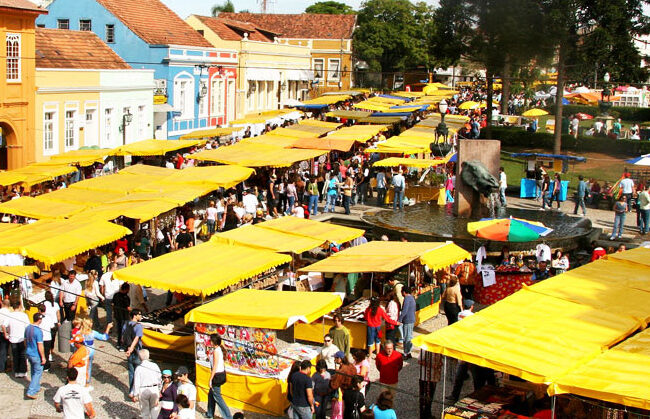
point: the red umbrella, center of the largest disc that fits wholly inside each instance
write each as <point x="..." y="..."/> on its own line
<point x="582" y="116"/>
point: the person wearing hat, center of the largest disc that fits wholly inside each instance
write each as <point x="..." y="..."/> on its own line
<point x="345" y="370"/>
<point x="468" y="309"/>
<point x="35" y="354"/>
<point x="183" y="239"/>
<point x="185" y="386"/>
<point x="79" y="359"/>
<point x="168" y="394"/>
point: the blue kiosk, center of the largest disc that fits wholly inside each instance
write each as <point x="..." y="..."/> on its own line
<point x="556" y="162"/>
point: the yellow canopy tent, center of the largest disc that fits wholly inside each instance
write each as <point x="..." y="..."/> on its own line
<point x="202" y="270"/>
<point x="265" y="309"/>
<point x="397" y="147"/>
<point x="619" y="375"/>
<point x="83" y="157"/>
<point x="408" y="94"/>
<point x="419" y="163"/>
<point x="11" y="178"/>
<point x="470" y="104"/>
<point x="87" y="197"/>
<point x="300" y="131"/>
<point x="257" y="155"/>
<point x="381" y="120"/>
<point x="347" y="114"/>
<point x="327" y="100"/>
<point x="141" y="210"/>
<point x="52" y="241"/>
<point x="360" y="133"/>
<point x="324" y="143"/>
<point x="48" y="171"/>
<point x="273" y="140"/>
<point x="153" y="147"/>
<point x="120" y="183"/>
<point x="177" y="193"/>
<point x="382" y="256"/>
<point x="315" y="229"/>
<point x="10" y="273"/>
<point x="318" y="123"/>
<point x="147" y="170"/>
<point x="8" y="226"/>
<point x="534" y="112"/>
<point x="210" y="176"/>
<point x="278" y="241"/>
<point x="38" y="208"/>
<point x="209" y="133"/>
<point x="372" y="106"/>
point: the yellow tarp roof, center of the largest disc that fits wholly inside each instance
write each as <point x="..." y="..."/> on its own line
<point x="398" y="161"/>
<point x="318" y="123"/>
<point x="278" y="241"/>
<point x="141" y="210"/>
<point x="257" y="155"/>
<point x="48" y="171"/>
<point x="147" y="170"/>
<point x="38" y="208"/>
<point x="210" y="132"/>
<point x="381" y="120"/>
<point x="347" y="114"/>
<point x="8" y="226"/>
<point x="372" y="106"/>
<point x="52" y="241"/>
<point x="327" y="100"/>
<point x="203" y="269"/>
<point x="273" y="140"/>
<point x="120" y="183"/>
<point x="10" y="273"/>
<point x="85" y="157"/>
<point x="324" y="143"/>
<point x="386" y="256"/>
<point x="153" y="147"/>
<point x="392" y="146"/>
<point x="315" y="229"/>
<point x="620" y="375"/>
<point x="360" y="133"/>
<point x="301" y="131"/>
<point x="210" y="176"/>
<point x="89" y="198"/>
<point x="11" y="178"/>
<point x="265" y="309"/>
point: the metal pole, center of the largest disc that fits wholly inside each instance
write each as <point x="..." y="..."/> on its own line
<point x="444" y="385"/>
<point x="553" y="407"/>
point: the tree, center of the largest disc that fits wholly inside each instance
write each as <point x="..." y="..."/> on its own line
<point x="227" y="7"/>
<point x="330" y="8"/>
<point x="392" y="35"/>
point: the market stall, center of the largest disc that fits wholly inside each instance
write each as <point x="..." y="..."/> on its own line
<point x="418" y="192"/>
<point x="495" y="285"/>
<point x="557" y="162"/>
<point x="369" y="266"/>
<point x="257" y="363"/>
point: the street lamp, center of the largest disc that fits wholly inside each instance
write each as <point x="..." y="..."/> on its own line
<point x="441" y="129"/>
<point x="605" y="104"/>
<point x="127" y="118"/>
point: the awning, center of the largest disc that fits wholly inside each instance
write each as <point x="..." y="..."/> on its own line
<point x="49" y="171"/>
<point x="257" y="155"/>
<point x="10" y="273"/>
<point x="360" y="133"/>
<point x="141" y="210"/>
<point x="383" y="256"/>
<point x="318" y="123"/>
<point x="209" y="133"/>
<point x="381" y="119"/>
<point x="272" y="140"/>
<point x="262" y="74"/>
<point x="301" y="131"/>
<point x="52" y="241"/>
<point x="315" y="229"/>
<point x="419" y="163"/>
<point x="347" y="114"/>
<point x="82" y="157"/>
<point x="265" y="309"/>
<point x="202" y="270"/>
<point x="11" y="178"/>
<point x="299" y="74"/>
<point x="324" y="143"/>
<point x="153" y="147"/>
<point x="327" y="100"/>
<point x="214" y="177"/>
<point x="38" y="208"/>
<point x="278" y="241"/>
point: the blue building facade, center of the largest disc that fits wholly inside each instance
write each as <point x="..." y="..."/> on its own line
<point x="180" y="57"/>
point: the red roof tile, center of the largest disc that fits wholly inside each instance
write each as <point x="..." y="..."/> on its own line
<point x="62" y="48"/>
<point x="21" y="4"/>
<point x="154" y="22"/>
<point x="302" y="26"/>
<point x="232" y="30"/>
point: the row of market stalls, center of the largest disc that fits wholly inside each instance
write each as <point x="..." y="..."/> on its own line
<point x="583" y="333"/>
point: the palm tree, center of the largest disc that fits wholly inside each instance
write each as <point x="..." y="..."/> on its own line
<point x="225" y="7"/>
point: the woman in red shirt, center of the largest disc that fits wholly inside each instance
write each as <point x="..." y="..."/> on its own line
<point x="373" y="315"/>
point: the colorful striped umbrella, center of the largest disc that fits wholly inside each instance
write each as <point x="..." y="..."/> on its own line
<point x="508" y="229"/>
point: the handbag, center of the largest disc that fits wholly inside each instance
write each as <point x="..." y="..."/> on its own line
<point x="219" y="379"/>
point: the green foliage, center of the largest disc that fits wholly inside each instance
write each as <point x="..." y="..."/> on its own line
<point x="227" y="7"/>
<point x="330" y="8"/>
<point x="392" y="34"/>
<point x="517" y="137"/>
<point x="626" y="113"/>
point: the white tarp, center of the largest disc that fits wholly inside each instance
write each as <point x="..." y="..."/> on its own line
<point x="302" y="75"/>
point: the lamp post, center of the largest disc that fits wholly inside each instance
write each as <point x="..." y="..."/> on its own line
<point x="126" y="120"/>
<point x="605" y="103"/>
<point x="441" y="129"/>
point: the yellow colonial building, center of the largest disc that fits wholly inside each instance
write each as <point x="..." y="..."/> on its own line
<point x="17" y="82"/>
<point x="86" y="95"/>
<point x="270" y="74"/>
<point x="329" y="38"/>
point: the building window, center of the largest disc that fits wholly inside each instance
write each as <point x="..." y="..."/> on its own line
<point x="184" y="97"/>
<point x="48" y="131"/>
<point x="110" y="34"/>
<point x="334" y="69"/>
<point x="108" y="125"/>
<point x="250" y="105"/>
<point x="319" y="63"/>
<point x="141" y="122"/>
<point x="217" y="97"/>
<point x="270" y="95"/>
<point x="63" y="23"/>
<point x="203" y="100"/>
<point x="13" y="57"/>
<point x="70" y="128"/>
<point x="85" y="25"/>
<point x="261" y="92"/>
<point x="231" y="100"/>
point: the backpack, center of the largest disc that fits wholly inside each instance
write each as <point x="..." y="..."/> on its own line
<point x="128" y="336"/>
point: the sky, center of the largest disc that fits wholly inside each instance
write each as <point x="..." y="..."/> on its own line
<point x="185" y="8"/>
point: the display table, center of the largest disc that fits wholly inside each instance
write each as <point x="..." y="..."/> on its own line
<point x="420" y="194"/>
<point x="528" y="189"/>
<point x="507" y="283"/>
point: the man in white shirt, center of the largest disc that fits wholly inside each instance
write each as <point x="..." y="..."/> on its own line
<point x="503" y="185"/>
<point x="69" y="297"/>
<point x="399" y="185"/>
<point x="146" y="386"/>
<point x="185" y="386"/>
<point x="328" y="351"/>
<point x="73" y="399"/>
<point x="627" y="187"/>
<point x="468" y="309"/>
<point x="14" y="325"/>
<point x="108" y="286"/>
<point x="250" y="202"/>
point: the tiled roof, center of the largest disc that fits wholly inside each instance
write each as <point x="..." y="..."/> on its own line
<point x="154" y="22"/>
<point x="232" y="30"/>
<point x="62" y="48"/>
<point x="303" y="26"/>
<point x="21" y="4"/>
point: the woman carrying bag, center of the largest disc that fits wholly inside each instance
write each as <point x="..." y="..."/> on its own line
<point x="217" y="379"/>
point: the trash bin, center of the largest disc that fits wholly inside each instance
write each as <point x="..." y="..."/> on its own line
<point x="64" y="337"/>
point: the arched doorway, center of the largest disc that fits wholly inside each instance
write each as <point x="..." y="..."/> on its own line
<point x="7" y="137"/>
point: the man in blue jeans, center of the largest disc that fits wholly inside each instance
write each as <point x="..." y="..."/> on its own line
<point x="132" y="338"/>
<point x="399" y="185"/>
<point x="581" y="194"/>
<point x="35" y="355"/>
<point x="407" y="318"/>
<point x="302" y="392"/>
